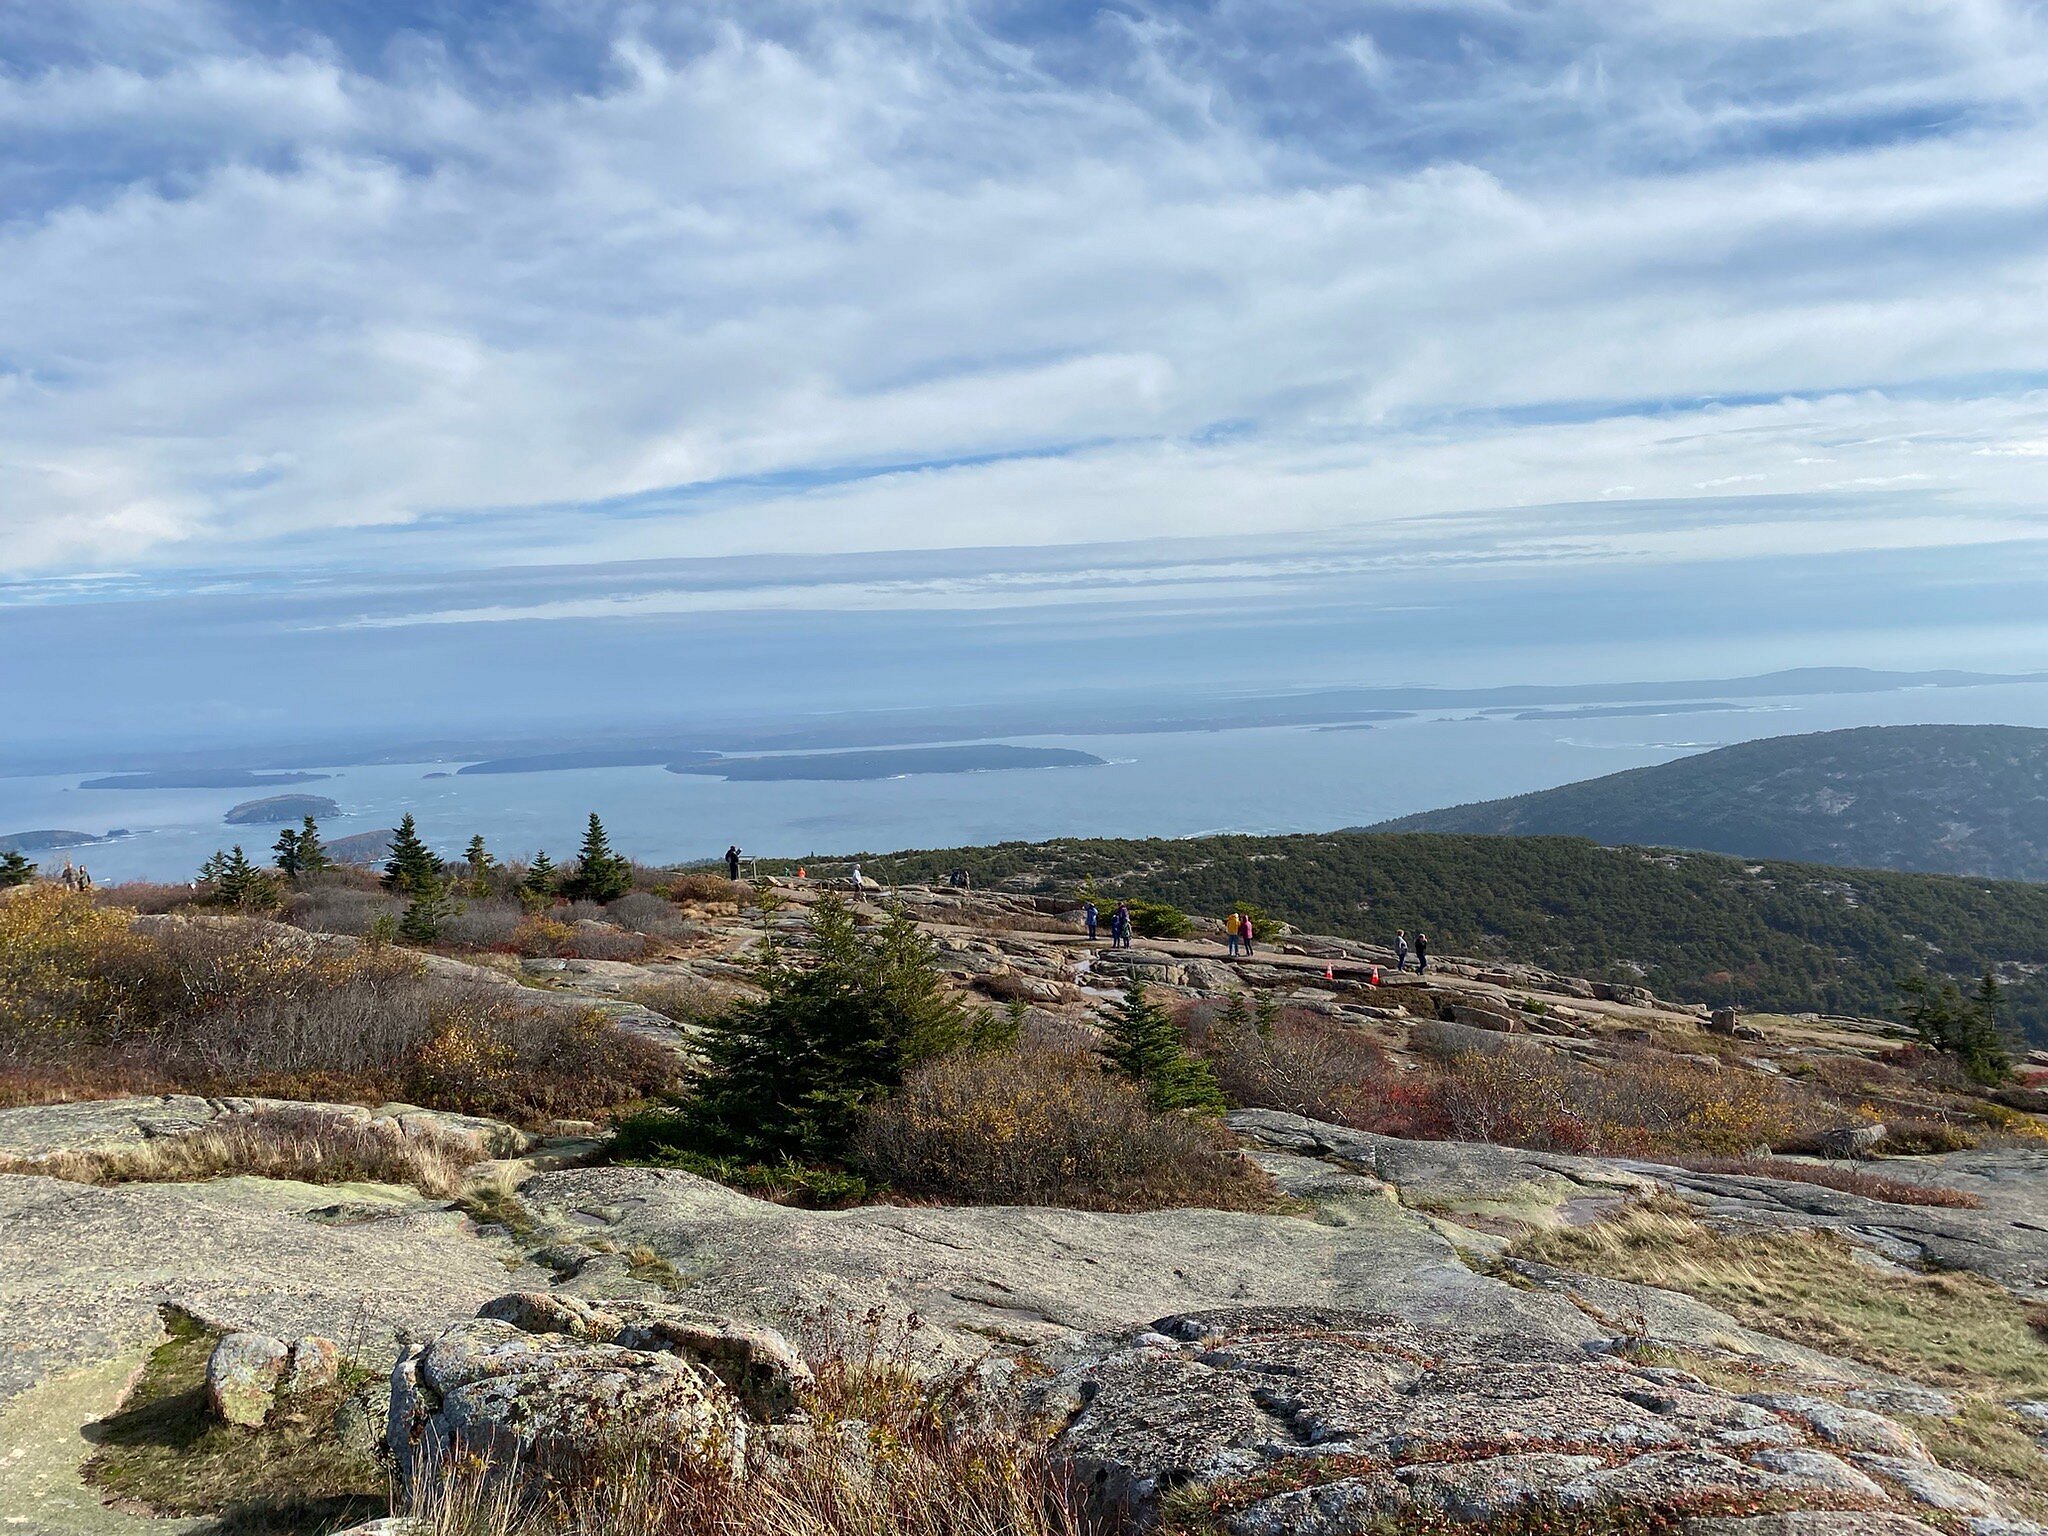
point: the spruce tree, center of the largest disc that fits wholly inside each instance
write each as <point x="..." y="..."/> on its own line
<point x="480" y="863"/>
<point x="412" y="869"/>
<point x="15" y="869"/>
<point x="241" y="884"/>
<point x="287" y="850"/>
<point x="600" y="875"/>
<point x="211" y="866"/>
<point x="1141" y="1042"/>
<point x="538" y="886"/>
<point x="426" y="914"/>
<point x="312" y="852"/>
<point x="832" y="1029"/>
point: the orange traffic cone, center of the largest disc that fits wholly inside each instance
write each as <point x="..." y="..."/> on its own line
<point x="1329" y="973"/>
<point x="1375" y="980"/>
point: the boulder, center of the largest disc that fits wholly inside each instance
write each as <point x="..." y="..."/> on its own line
<point x="314" y="1365"/>
<point x="242" y="1376"/>
<point x="758" y="1365"/>
<point x="1494" y="1016"/>
<point x="549" y="1402"/>
<point x="1722" y="1021"/>
<point x="1850" y="1141"/>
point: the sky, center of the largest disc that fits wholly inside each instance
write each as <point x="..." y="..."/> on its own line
<point x="457" y="360"/>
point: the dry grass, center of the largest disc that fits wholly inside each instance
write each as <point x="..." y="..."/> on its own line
<point x="293" y="1477"/>
<point x="1987" y="1440"/>
<point x="1037" y="1127"/>
<point x="1955" y="1329"/>
<point x="890" y="1450"/>
<point x="1850" y="1181"/>
<point x="271" y="1144"/>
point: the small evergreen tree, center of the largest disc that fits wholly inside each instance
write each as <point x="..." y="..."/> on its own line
<point x="537" y="887"/>
<point x="1141" y="1042"/>
<point x="1969" y="1029"/>
<point x="312" y="852"/>
<point x="15" y="869"/>
<point x="412" y="869"/>
<point x="211" y="867"/>
<point x="241" y="884"/>
<point x="427" y="914"/>
<point x="286" y="849"/>
<point x="600" y="874"/>
<point x="831" y="1030"/>
<point x="480" y="863"/>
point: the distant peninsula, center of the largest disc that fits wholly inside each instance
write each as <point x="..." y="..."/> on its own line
<point x="276" y="810"/>
<point x="592" y="757"/>
<point x="200" y="778"/>
<point x="44" y="839"/>
<point x="888" y="764"/>
<point x="1627" y="711"/>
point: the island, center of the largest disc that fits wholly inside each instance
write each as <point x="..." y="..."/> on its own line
<point x="43" y="839"/>
<point x="590" y="757"/>
<point x="277" y="810"/>
<point x="888" y="763"/>
<point x="200" y="778"/>
<point x="361" y="847"/>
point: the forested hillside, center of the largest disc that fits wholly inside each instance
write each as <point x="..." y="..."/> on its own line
<point x="1955" y="799"/>
<point x="1692" y="926"/>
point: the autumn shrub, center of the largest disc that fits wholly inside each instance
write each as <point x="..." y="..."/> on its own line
<point x="482" y="925"/>
<point x="340" y="909"/>
<point x="1022" y="1127"/>
<point x="601" y="941"/>
<point x="1912" y="1136"/>
<point x="1853" y="1181"/>
<point x="541" y="937"/>
<point x="708" y="888"/>
<point x="643" y="912"/>
<point x="1295" y="1061"/>
<point x="91" y="997"/>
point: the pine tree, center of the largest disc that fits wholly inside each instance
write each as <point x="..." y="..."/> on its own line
<point x="241" y="884"/>
<point x="537" y="889"/>
<point x="1969" y="1029"/>
<point x="1141" y="1042"/>
<point x="15" y="869"/>
<point x="427" y="914"/>
<point x="412" y="868"/>
<point x="829" y="1032"/>
<point x="211" y="867"/>
<point x="480" y="863"/>
<point x="600" y="874"/>
<point x="312" y="852"/>
<point x="287" y="850"/>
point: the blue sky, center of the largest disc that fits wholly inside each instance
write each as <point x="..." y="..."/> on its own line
<point x="567" y="287"/>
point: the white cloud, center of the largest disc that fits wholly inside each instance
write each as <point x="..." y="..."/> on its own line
<point x="266" y="289"/>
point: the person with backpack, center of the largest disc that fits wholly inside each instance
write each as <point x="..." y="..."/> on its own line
<point x="1401" y="950"/>
<point x="1232" y="925"/>
<point x="1421" y="954"/>
<point x="1091" y="917"/>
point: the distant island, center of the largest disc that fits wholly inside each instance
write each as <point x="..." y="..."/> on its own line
<point x="1626" y="711"/>
<point x="279" y="809"/>
<point x="592" y="757"/>
<point x="200" y="778"/>
<point x="888" y="764"/>
<point x="361" y="847"/>
<point x="44" y="839"/>
<point x="1949" y="799"/>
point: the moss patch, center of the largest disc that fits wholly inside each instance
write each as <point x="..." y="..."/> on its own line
<point x="1954" y="1329"/>
<point x="294" y="1477"/>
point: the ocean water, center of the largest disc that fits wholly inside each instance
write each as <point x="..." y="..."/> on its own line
<point x="1275" y="779"/>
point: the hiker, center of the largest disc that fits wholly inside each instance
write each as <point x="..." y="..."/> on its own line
<point x="732" y="862"/>
<point x="859" y="885"/>
<point x="1244" y="934"/>
<point x="84" y="879"/>
<point x="1401" y="949"/>
<point x="1120" y="926"/>
<point x="1421" y="954"/>
<point x="1091" y="917"/>
<point x="69" y="878"/>
<point x="1231" y="925"/>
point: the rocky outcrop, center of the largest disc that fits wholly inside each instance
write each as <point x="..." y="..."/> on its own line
<point x="248" y="1373"/>
<point x="553" y="1383"/>
<point x="1365" y="1419"/>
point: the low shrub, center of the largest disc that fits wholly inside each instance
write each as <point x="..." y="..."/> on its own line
<point x="340" y="909"/>
<point x="483" y="925"/>
<point x="1914" y="1137"/>
<point x="230" y="1006"/>
<point x="1294" y="1062"/>
<point x="601" y="941"/>
<point x="707" y="888"/>
<point x="1159" y="920"/>
<point x="658" y="1138"/>
<point x="1023" y="1127"/>
<point x="645" y="913"/>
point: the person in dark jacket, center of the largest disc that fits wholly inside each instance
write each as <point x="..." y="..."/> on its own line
<point x="1401" y="950"/>
<point x="732" y="862"/>
<point x="1120" y="926"/>
<point x="1091" y="917"/>
<point x="1421" y="954"/>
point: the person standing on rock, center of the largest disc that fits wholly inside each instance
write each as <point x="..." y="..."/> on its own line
<point x="859" y="885"/>
<point x="1120" y="926"/>
<point x="1421" y="954"/>
<point x="1400" y="949"/>
<point x="1231" y="925"/>
<point x="732" y="862"/>
<point x="1245" y="933"/>
<point x="1091" y="917"/>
